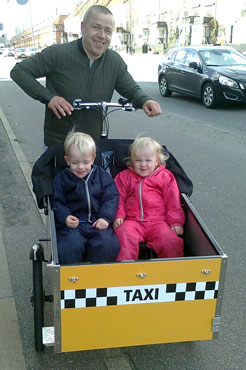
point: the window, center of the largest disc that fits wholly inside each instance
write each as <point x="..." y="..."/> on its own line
<point x="180" y="56"/>
<point x="170" y="55"/>
<point x="192" y="57"/>
<point x="222" y="57"/>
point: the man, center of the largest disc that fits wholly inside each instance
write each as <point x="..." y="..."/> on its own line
<point x="84" y="69"/>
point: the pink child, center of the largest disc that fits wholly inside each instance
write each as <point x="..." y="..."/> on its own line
<point x="149" y="208"/>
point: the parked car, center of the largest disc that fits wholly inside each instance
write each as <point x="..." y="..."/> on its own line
<point x="20" y="53"/>
<point x="211" y="73"/>
<point x="31" y="51"/>
<point x="9" y="52"/>
<point x="1" y="49"/>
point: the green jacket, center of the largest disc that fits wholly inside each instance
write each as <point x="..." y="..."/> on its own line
<point x="68" y="74"/>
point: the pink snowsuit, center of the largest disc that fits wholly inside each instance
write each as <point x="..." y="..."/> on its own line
<point x="149" y="207"/>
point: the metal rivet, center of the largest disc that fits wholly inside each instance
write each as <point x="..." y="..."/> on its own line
<point x="141" y="275"/>
<point x="73" y="279"/>
<point x="206" y="272"/>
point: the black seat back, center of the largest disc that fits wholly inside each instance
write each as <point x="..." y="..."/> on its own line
<point x="111" y="155"/>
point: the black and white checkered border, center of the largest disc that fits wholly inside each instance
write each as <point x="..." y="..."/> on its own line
<point x="115" y="296"/>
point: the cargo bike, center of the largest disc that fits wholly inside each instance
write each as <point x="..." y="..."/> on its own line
<point x="127" y="303"/>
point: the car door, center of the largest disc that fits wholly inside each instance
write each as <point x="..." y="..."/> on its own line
<point x="175" y="72"/>
<point x="192" y="77"/>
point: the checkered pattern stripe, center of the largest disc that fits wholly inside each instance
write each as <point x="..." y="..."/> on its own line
<point x="80" y="298"/>
<point x="116" y="296"/>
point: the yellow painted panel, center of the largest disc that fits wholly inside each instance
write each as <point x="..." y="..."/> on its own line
<point x="156" y="272"/>
<point x="129" y="325"/>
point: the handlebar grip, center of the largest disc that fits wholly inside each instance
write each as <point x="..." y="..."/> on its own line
<point x="76" y="102"/>
<point x="123" y="101"/>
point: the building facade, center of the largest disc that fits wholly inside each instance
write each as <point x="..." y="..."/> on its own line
<point x="43" y="34"/>
<point x="155" y="25"/>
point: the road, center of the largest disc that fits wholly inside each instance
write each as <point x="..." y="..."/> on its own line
<point x="210" y="145"/>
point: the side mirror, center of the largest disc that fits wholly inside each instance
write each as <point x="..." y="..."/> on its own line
<point x="193" y="65"/>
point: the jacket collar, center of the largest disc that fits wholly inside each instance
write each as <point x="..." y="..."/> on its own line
<point x="159" y="168"/>
<point x="82" y="50"/>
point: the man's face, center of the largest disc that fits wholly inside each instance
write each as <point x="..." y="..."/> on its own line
<point x="97" y="33"/>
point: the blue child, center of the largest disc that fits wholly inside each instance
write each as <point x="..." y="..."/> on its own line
<point x="85" y="200"/>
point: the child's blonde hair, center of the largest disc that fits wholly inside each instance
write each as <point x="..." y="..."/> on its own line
<point x="143" y="142"/>
<point x="83" y="142"/>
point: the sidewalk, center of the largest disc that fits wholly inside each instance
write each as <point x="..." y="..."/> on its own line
<point x="10" y="344"/>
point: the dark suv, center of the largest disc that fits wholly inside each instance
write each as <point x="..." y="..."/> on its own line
<point x="211" y="73"/>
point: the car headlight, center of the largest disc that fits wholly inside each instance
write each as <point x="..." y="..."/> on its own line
<point x="228" y="82"/>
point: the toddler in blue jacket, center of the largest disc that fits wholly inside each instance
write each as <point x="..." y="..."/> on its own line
<point x="86" y="201"/>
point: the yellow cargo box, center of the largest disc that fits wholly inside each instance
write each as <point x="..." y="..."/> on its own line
<point x="134" y="303"/>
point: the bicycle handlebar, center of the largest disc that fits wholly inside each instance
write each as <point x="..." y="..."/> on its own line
<point x="123" y="104"/>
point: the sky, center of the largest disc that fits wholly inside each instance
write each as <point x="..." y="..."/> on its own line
<point x="14" y="15"/>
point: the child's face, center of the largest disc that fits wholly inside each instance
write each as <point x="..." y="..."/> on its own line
<point x="79" y="164"/>
<point x="145" y="162"/>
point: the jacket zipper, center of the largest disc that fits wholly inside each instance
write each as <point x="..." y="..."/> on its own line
<point x="140" y="200"/>
<point x="140" y="195"/>
<point x="87" y="85"/>
<point x="88" y="196"/>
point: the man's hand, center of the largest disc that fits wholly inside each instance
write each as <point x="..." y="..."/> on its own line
<point x="178" y="229"/>
<point x="60" y="106"/>
<point x="72" y="221"/>
<point x="152" y="108"/>
<point x="117" y="222"/>
<point x="100" y="224"/>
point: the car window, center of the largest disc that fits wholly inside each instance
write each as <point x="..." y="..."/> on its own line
<point x="180" y="56"/>
<point x="169" y="55"/>
<point x="192" y="56"/>
<point x="222" y="57"/>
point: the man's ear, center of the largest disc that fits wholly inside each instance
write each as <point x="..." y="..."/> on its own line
<point x="82" y="26"/>
<point x="66" y="160"/>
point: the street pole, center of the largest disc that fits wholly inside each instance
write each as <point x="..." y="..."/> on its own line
<point x="30" y="11"/>
<point x="23" y="2"/>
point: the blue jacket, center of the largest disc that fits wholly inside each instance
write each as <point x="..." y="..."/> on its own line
<point x="90" y="198"/>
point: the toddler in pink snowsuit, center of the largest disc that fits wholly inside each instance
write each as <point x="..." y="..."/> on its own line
<point x="149" y="208"/>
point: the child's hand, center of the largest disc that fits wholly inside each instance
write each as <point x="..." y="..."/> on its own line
<point x="100" y="224"/>
<point x="117" y="222"/>
<point x="178" y="229"/>
<point x="72" y="221"/>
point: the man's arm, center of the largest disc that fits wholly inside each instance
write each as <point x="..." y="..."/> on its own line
<point x="60" y="106"/>
<point x="26" y="73"/>
<point x="152" y="108"/>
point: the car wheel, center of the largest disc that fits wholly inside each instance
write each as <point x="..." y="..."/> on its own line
<point x="208" y="96"/>
<point x="163" y="87"/>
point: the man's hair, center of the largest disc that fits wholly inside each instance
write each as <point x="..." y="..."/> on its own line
<point x="95" y="8"/>
<point x="143" y="142"/>
<point x="82" y="141"/>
